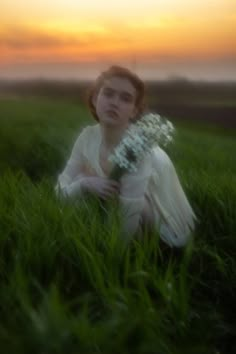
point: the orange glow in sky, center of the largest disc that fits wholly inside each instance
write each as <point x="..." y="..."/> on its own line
<point x="159" y="39"/>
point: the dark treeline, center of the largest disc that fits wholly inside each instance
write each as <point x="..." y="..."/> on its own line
<point x="195" y="101"/>
<point x="176" y="91"/>
<point x="171" y="91"/>
<point x="179" y="98"/>
<point x="72" y="90"/>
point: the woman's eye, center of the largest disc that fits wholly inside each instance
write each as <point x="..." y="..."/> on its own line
<point x="126" y="99"/>
<point x="108" y="93"/>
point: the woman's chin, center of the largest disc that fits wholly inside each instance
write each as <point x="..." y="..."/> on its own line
<point x="110" y="121"/>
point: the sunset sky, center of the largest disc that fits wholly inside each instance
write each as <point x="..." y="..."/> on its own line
<point x="158" y="39"/>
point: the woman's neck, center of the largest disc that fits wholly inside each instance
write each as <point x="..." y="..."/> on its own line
<point x="111" y="136"/>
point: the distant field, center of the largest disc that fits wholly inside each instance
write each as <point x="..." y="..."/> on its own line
<point x="180" y="99"/>
<point x="68" y="285"/>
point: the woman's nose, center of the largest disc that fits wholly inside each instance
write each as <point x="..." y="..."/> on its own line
<point x="115" y="100"/>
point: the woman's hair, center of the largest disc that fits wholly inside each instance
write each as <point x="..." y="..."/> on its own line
<point x="121" y="72"/>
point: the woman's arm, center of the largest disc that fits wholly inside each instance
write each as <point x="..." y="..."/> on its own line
<point x="79" y="177"/>
<point x="132" y="197"/>
<point x="70" y="180"/>
<point x="170" y="200"/>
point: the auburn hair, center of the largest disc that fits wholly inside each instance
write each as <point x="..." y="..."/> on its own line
<point x="118" y="71"/>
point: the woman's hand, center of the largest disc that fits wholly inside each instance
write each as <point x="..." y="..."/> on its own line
<point x="101" y="186"/>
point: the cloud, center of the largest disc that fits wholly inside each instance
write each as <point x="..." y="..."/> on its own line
<point x="82" y="41"/>
<point x="26" y="38"/>
<point x="110" y="40"/>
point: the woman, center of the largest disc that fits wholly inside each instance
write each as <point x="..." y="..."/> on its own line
<point x="153" y="195"/>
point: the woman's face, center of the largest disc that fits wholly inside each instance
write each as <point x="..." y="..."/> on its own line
<point x="115" y="102"/>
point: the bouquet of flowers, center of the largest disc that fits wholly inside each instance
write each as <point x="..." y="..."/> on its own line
<point x="139" y="139"/>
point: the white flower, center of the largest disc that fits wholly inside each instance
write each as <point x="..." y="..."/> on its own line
<point x="139" y="139"/>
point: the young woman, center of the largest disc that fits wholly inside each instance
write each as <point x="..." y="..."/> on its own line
<point x="153" y="195"/>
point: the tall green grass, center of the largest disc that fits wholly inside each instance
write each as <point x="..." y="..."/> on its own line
<point x="68" y="283"/>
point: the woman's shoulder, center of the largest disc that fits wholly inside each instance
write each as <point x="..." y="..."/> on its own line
<point x="160" y="157"/>
<point x="87" y="136"/>
<point x="87" y="133"/>
<point x="89" y="130"/>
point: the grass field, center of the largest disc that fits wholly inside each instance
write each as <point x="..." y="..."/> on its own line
<point x="67" y="283"/>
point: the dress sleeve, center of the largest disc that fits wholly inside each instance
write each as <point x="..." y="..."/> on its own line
<point x="132" y="197"/>
<point x="69" y="180"/>
<point x="178" y="218"/>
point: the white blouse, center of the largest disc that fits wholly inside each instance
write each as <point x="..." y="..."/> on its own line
<point x="156" y="178"/>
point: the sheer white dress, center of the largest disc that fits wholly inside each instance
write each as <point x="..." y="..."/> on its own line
<point x="155" y="180"/>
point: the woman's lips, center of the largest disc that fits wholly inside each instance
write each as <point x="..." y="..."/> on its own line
<point x="112" y="113"/>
